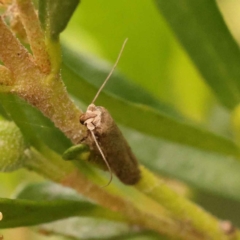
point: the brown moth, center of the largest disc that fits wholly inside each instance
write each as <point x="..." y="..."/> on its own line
<point x="107" y="139"/>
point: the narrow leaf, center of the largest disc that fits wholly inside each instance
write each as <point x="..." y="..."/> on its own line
<point x="55" y="15"/>
<point x="88" y="229"/>
<point x="34" y="126"/>
<point x="18" y="213"/>
<point x="146" y="119"/>
<point x="213" y="173"/>
<point x="200" y="28"/>
<point x="3" y="113"/>
<point x="95" y="71"/>
<point x="41" y="203"/>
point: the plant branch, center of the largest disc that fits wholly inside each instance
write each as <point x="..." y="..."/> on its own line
<point x="14" y="56"/>
<point x="156" y="219"/>
<point x="46" y="92"/>
<point x="6" y="78"/>
<point x="182" y="209"/>
<point x="65" y="173"/>
<point x="41" y="85"/>
<point x="35" y="34"/>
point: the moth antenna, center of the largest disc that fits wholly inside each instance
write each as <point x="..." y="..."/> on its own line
<point x="104" y="158"/>
<point x="109" y="75"/>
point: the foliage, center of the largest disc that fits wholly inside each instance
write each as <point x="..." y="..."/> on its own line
<point x="39" y="121"/>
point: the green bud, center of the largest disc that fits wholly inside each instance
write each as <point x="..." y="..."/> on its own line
<point x="12" y="147"/>
<point x="77" y="152"/>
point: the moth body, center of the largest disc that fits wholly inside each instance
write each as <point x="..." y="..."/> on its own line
<point x="112" y="143"/>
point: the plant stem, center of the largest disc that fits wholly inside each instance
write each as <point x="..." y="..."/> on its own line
<point x="45" y="92"/>
<point x="51" y="166"/>
<point x="5" y="76"/>
<point x="14" y="56"/>
<point x="181" y="209"/>
<point x="35" y="34"/>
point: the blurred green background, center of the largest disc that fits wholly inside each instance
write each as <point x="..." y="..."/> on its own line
<point x="153" y="59"/>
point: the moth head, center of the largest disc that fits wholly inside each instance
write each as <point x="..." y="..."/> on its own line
<point x="88" y="114"/>
<point x="92" y="118"/>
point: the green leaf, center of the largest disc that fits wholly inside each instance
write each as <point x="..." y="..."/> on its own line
<point x="46" y="191"/>
<point x="41" y="203"/>
<point x="55" y="14"/>
<point x="34" y="126"/>
<point x="3" y="113"/>
<point x="95" y="71"/>
<point x="18" y="213"/>
<point x="213" y="173"/>
<point x="143" y="118"/>
<point x="200" y="28"/>
<point x="88" y="229"/>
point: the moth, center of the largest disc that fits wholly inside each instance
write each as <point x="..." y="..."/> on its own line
<point x="104" y="138"/>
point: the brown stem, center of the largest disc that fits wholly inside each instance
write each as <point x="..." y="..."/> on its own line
<point x="193" y="216"/>
<point x="6" y="78"/>
<point x="46" y="92"/>
<point x="14" y="56"/>
<point x="159" y="222"/>
<point x="35" y="34"/>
